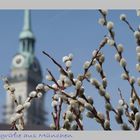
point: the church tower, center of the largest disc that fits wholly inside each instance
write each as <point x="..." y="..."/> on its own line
<point x="25" y="75"/>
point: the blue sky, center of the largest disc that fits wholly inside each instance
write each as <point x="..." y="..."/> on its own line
<point x="60" y="32"/>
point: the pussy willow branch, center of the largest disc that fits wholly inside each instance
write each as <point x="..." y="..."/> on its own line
<point x="53" y="79"/>
<point x="62" y="69"/>
<point x="57" y="64"/>
<point x="132" y="29"/>
<point x="101" y="45"/>
<point x="94" y="111"/>
<point x="112" y="35"/>
<point x="129" y="25"/>
<point x="13" y="125"/>
<point x="126" y="109"/>
<point x="77" y="120"/>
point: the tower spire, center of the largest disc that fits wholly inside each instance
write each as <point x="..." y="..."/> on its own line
<point x="26" y="37"/>
<point x="27" y="20"/>
<point x="27" y="32"/>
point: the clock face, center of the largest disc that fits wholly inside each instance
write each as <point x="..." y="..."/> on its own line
<point x="18" y="61"/>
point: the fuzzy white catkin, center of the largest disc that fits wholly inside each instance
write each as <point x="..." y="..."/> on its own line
<point x="101" y="21"/>
<point x="68" y="64"/>
<point x="62" y="77"/>
<point x="104" y="11"/>
<point x="94" y="53"/>
<point x="67" y="81"/>
<point x="131" y="100"/>
<point x="120" y="110"/>
<point x="138" y="49"/>
<point x="11" y="88"/>
<point x="94" y="62"/>
<point x="39" y="95"/>
<point x="108" y="106"/>
<point x="137" y="34"/>
<point x="101" y="91"/>
<point x="138" y="81"/>
<point x="19" y="126"/>
<point x="52" y="126"/>
<point x="124" y="76"/>
<point x="12" y="119"/>
<point x="137" y="117"/>
<point x="49" y="77"/>
<point x="117" y="57"/>
<point x="102" y="58"/>
<point x="16" y="116"/>
<point x="125" y="126"/>
<point x="88" y="106"/>
<point x="40" y="86"/>
<point x="81" y="100"/>
<point x="59" y="83"/>
<point x="82" y="109"/>
<point x="78" y="84"/>
<point x="107" y="124"/>
<point x="120" y="48"/>
<point x="132" y="80"/>
<point x="70" y="56"/>
<point x="63" y="129"/>
<point x="26" y="105"/>
<point x="88" y="74"/>
<point x="98" y="68"/>
<point x="122" y="17"/>
<point x="33" y="94"/>
<point x="90" y="100"/>
<point x="121" y="102"/>
<point x="65" y="58"/>
<point x="19" y="107"/>
<point x="60" y="98"/>
<point x="66" y="85"/>
<point x="138" y="57"/>
<point x="56" y="96"/>
<point x="107" y="96"/>
<point x="70" y="74"/>
<point x="9" y="92"/>
<point x="46" y="88"/>
<point x="132" y="106"/>
<point x="74" y="127"/>
<point x="110" y="25"/>
<point x="131" y="113"/>
<point x="123" y="62"/>
<point x="110" y="42"/>
<point x="138" y="67"/>
<point x="73" y="103"/>
<point x="89" y="114"/>
<point x="69" y="115"/>
<point x="125" y="106"/>
<point x="104" y="82"/>
<point x="54" y="103"/>
<point x="54" y="86"/>
<point x="6" y="86"/>
<point x="94" y="82"/>
<point x="101" y="115"/>
<point x="86" y="64"/>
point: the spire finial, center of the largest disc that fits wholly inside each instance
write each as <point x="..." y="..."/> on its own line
<point x="27" y="20"/>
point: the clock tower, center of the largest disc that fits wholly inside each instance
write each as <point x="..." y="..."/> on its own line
<point x="25" y="75"/>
